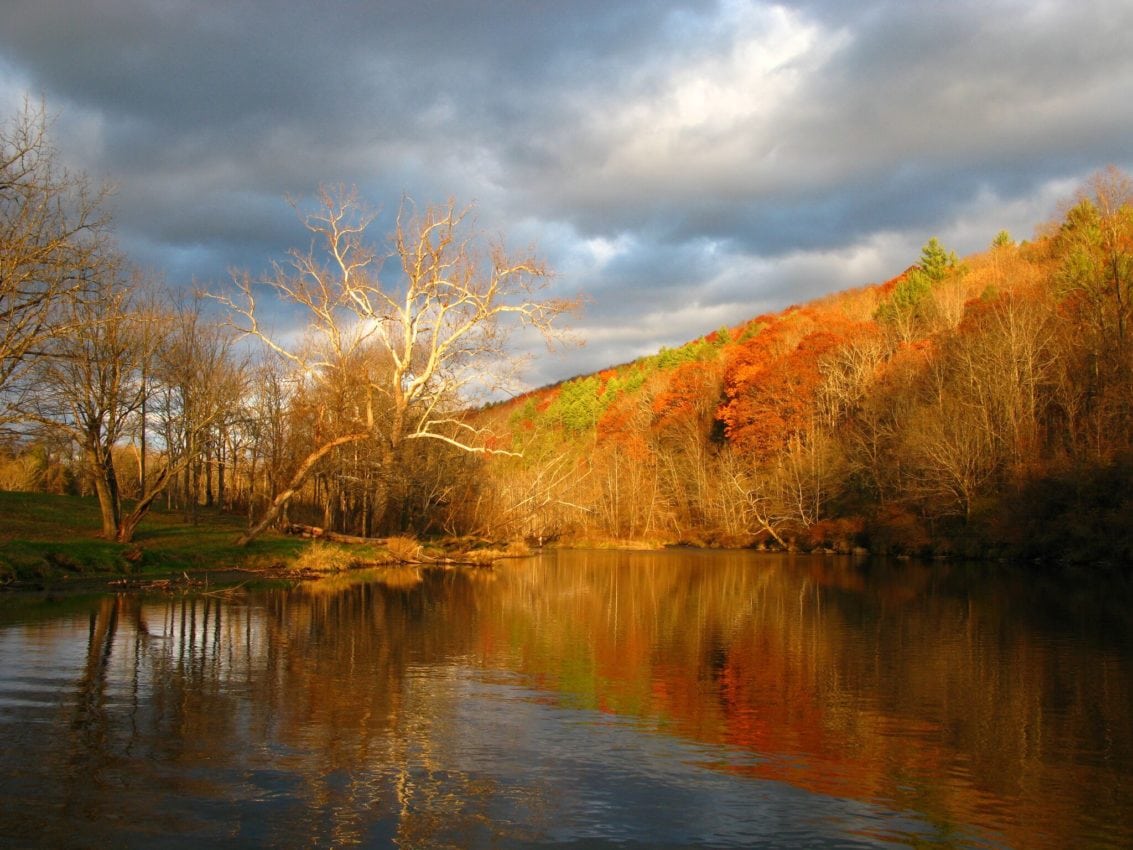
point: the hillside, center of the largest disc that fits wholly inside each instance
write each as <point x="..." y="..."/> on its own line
<point x="967" y="407"/>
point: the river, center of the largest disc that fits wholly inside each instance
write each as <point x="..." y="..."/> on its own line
<point x="576" y="699"/>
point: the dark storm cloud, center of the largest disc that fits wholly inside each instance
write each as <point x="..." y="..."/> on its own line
<point x="678" y="161"/>
<point x="923" y="104"/>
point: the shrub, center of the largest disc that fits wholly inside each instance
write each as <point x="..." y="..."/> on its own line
<point x="323" y="557"/>
<point x="404" y="549"/>
<point x="840" y="535"/>
<point x="1081" y="516"/>
<point x="518" y="549"/>
<point x="896" y="530"/>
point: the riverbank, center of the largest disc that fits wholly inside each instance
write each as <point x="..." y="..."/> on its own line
<point x="52" y="542"/>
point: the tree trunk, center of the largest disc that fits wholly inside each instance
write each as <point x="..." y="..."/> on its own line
<point x="129" y="524"/>
<point x="324" y="534"/>
<point x="106" y="486"/>
<point x="252" y="488"/>
<point x="280" y="502"/>
<point x="210" y="458"/>
<point x="187" y="488"/>
<point x="221" y="458"/>
<point x="142" y="439"/>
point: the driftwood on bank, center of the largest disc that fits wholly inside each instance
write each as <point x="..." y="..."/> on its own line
<point x="317" y="533"/>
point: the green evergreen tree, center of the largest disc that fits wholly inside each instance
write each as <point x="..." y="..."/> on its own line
<point x="936" y="262"/>
<point x="577" y="408"/>
<point x="1003" y="240"/>
<point x="907" y="301"/>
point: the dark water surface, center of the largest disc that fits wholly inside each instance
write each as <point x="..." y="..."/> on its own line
<point x="576" y="699"/>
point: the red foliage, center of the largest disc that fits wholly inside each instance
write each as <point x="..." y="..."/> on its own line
<point x="840" y="534"/>
<point x="617" y="428"/>
<point x="772" y="393"/>
<point x="692" y="388"/>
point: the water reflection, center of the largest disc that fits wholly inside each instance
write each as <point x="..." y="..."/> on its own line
<point x="584" y="699"/>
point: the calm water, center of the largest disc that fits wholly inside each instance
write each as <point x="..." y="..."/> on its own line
<point x="677" y="699"/>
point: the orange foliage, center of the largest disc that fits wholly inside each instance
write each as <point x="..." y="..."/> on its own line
<point x="772" y="393"/>
<point x="691" y="387"/>
<point x="1023" y="338"/>
<point x="886" y="289"/>
<point x="617" y="428"/>
<point x="838" y="533"/>
<point x="905" y="367"/>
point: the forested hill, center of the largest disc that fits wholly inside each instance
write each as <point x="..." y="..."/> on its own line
<point x="969" y="406"/>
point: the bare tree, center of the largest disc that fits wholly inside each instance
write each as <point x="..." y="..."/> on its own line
<point x="410" y="348"/>
<point x="201" y="381"/>
<point x="51" y="238"/>
<point x="87" y="387"/>
<point x="92" y="385"/>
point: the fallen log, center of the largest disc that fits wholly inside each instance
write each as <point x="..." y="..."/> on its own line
<point x="317" y="533"/>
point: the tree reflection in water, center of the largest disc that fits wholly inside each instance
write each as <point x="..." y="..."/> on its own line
<point x="678" y="697"/>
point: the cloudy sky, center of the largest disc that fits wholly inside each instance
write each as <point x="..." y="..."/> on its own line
<point x="683" y="164"/>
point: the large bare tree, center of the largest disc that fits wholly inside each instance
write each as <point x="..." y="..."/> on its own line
<point x="399" y="354"/>
<point x="51" y="241"/>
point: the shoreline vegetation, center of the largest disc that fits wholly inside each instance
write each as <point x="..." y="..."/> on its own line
<point x="49" y="543"/>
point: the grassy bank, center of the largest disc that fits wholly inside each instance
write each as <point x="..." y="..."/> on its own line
<point x="52" y="540"/>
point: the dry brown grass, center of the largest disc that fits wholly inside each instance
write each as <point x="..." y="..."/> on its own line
<point x="517" y="549"/>
<point x="404" y="549"/>
<point x="480" y="557"/>
<point x="486" y="557"/>
<point x="322" y="557"/>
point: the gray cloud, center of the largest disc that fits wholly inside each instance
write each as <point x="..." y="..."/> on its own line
<point x="678" y="161"/>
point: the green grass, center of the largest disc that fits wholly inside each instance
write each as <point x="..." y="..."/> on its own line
<point x="53" y="542"/>
<point x="47" y="539"/>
